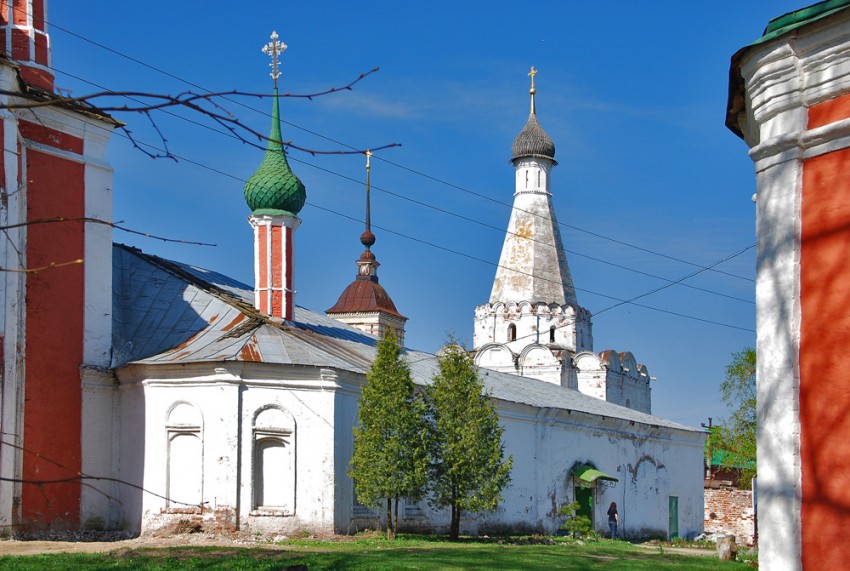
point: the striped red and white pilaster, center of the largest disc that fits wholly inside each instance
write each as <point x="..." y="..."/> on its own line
<point x="273" y="264"/>
<point x="24" y="38"/>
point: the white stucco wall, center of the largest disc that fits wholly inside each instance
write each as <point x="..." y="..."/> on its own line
<point x="651" y="463"/>
<point x="228" y="398"/>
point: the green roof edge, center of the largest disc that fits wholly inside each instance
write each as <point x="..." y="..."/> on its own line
<point x="777" y="27"/>
<point x="272" y="212"/>
<point x="792" y="20"/>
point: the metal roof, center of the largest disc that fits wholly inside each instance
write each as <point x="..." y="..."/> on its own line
<point x="365" y="294"/>
<point x="168" y="312"/>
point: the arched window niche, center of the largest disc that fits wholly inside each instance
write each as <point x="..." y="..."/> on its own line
<point x="512" y="332"/>
<point x="185" y="458"/>
<point x="273" y="474"/>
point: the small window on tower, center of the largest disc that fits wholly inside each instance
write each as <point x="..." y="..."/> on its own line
<point x="511" y="332"/>
<point x="552" y="334"/>
<point x="538" y="179"/>
<point x="526" y="179"/>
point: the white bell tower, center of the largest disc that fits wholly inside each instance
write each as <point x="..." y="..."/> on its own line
<point x="532" y="324"/>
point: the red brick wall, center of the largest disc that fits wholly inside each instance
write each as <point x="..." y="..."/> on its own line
<point x="731" y="511"/>
<point x="54" y="342"/>
<point x="824" y="334"/>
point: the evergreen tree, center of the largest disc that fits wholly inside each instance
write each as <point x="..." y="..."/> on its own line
<point x="390" y="458"/>
<point x="468" y="469"/>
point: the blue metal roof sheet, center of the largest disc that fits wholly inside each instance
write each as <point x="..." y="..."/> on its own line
<point x="168" y="312"/>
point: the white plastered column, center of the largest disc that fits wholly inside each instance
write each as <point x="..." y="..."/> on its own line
<point x="12" y="311"/>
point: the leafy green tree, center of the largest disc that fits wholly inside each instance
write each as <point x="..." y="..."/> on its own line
<point x="735" y="438"/>
<point x="390" y="458"/>
<point x="468" y="469"/>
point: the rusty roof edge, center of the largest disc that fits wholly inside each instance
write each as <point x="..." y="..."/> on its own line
<point x="171" y="267"/>
<point x="329" y="345"/>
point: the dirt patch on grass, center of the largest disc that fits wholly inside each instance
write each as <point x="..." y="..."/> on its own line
<point x="192" y="542"/>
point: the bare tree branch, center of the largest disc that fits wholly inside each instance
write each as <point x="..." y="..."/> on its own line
<point x="205" y="104"/>
<point x="49" y="266"/>
<point x="104" y="222"/>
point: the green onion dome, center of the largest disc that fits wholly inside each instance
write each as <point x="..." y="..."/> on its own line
<point x="274" y="187"/>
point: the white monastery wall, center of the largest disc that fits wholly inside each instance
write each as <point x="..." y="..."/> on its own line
<point x="652" y="464"/>
<point x="204" y="427"/>
<point x="233" y="421"/>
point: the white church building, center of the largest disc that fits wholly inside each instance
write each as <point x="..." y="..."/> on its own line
<point x="187" y="395"/>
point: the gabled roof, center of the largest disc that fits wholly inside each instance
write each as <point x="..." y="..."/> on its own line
<point x="166" y="312"/>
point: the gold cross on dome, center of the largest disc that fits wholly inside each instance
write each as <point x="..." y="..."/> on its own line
<point x="531" y="74"/>
<point x="274" y="49"/>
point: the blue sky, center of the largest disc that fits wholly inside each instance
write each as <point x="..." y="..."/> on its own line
<point x="633" y="94"/>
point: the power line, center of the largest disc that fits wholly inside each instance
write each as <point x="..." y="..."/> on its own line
<point x="488" y="262"/>
<point x="504" y="231"/>
<point x="632" y="300"/>
<point x="437" y="208"/>
<point x="397" y="165"/>
<point x="619" y="301"/>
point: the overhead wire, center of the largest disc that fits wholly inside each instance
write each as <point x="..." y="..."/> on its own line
<point x="491" y="263"/>
<point x="433" y="207"/>
<point x="392" y="163"/>
<point x="702" y="268"/>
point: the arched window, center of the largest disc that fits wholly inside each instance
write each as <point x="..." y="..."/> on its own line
<point x="271" y="474"/>
<point x="184" y="470"/>
<point x="274" y="462"/>
<point x="552" y="334"/>
<point x="512" y="332"/>
<point x="185" y="476"/>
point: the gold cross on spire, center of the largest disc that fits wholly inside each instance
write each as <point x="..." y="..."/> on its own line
<point x="531" y="74"/>
<point x="274" y="49"/>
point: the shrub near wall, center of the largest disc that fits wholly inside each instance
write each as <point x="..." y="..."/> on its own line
<point x="730" y="511"/>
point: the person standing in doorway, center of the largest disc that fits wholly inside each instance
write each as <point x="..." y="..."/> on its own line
<point x="613" y="519"/>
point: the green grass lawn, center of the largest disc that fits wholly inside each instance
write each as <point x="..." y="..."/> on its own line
<point x="378" y="555"/>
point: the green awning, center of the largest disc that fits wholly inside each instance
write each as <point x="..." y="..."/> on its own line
<point x="589" y="474"/>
